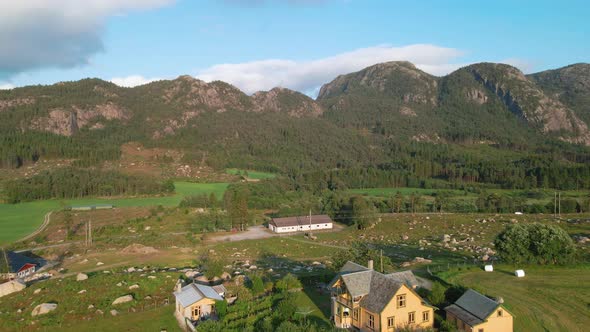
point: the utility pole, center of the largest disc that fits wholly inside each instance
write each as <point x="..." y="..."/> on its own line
<point x="554" y="205"/>
<point x="559" y="204"/>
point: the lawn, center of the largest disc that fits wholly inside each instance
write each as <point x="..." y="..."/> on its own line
<point x="18" y="220"/>
<point x="546" y="299"/>
<point x="256" y="175"/>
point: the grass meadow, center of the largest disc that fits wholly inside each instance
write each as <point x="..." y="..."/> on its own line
<point x="18" y="220"/>
<point x="546" y="299"/>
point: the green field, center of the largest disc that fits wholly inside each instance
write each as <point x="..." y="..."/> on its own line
<point x="18" y="220"/>
<point x="546" y="299"/>
<point x="256" y="175"/>
<point x="72" y="314"/>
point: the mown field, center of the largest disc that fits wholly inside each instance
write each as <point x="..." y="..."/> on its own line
<point x="256" y="175"/>
<point x="18" y="220"/>
<point x="546" y="299"/>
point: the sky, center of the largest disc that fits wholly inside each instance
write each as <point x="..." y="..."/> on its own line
<point x="298" y="44"/>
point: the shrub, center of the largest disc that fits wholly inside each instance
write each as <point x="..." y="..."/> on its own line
<point x="535" y="243"/>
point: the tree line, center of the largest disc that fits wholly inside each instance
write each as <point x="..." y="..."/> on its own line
<point x="70" y="182"/>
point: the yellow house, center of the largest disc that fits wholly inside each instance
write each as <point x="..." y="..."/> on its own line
<point x="371" y="301"/>
<point x="474" y="312"/>
<point x="196" y="302"/>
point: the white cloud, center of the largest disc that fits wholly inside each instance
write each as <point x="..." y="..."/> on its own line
<point x="6" y="86"/>
<point x="57" y="33"/>
<point x="307" y="76"/>
<point x="133" y="80"/>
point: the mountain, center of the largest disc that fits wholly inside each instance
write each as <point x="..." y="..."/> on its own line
<point x="402" y="99"/>
<point x="479" y="123"/>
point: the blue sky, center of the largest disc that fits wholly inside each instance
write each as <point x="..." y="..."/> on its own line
<point x="258" y="44"/>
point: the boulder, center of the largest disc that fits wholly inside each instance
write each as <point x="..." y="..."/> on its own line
<point x="12" y="286"/>
<point x="81" y="276"/>
<point x="123" y="299"/>
<point x="43" y="308"/>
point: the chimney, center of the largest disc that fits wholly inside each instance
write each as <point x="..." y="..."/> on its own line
<point x="370" y="264"/>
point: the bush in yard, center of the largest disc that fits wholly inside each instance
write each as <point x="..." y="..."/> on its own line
<point x="437" y="294"/>
<point x="256" y="285"/>
<point x="221" y="308"/>
<point x="535" y="243"/>
<point x="287" y="283"/>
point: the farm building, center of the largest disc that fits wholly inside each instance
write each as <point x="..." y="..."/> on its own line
<point x="15" y="265"/>
<point x="367" y="300"/>
<point x="474" y="312"/>
<point x="300" y="223"/>
<point x="196" y="302"/>
<point x="91" y="207"/>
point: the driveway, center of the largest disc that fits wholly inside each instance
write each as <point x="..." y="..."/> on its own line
<point x="253" y="233"/>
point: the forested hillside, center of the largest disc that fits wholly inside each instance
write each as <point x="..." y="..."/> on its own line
<point x="388" y="125"/>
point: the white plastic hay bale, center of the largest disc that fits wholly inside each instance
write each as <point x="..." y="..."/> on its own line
<point x="519" y="273"/>
<point x="489" y="268"/>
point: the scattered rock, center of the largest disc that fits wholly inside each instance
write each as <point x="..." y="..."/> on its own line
<point x="100" y="312"/>
<point x="91" y="306"/>
<point x="123" y="299"/>
<point x="82" y="291"/>
<point x="225" y="276"/>
<point x="114" y="312"/>
<point x="136" y="286"/>
<point x="405" y="237"/>
<point x="43" y="308"/>
<point x="119" y="284"/>
<point x="446" y="238"/>
<point x="151" y="277"/>
<point x="37" y="291"/>
<point x="131" y="269"/>
<point x="81" y="276"/>
<point x="99" y="263"/>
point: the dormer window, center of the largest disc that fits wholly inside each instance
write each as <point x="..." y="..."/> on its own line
<point x="500" y="313"/>
<point x="356" y="299"/>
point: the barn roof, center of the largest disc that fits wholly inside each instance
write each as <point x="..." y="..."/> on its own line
<point x="301" y="220"/>
<point x="192" y="293"/>
<point x="473" y="307"/>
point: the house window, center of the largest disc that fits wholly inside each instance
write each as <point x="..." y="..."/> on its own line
<point x="390" y="321"/>
<point x="480" y="330"/>
<point x="197" y="311"/>
<point x="371" y="321"/>
<point x="500" y="313"/>
<point x="355" y="313"/>
<point x="425" y="316"/>
<point x="412" y="317"/>
<point x="401" y="301"/>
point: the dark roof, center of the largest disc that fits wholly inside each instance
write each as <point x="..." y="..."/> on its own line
<point x="472" y="307"/>
<point x="405" y="277"/>
<point x="16" y="261"/>
<point x="382" y="289"/>
<point x="301" y="220"/>
<point x="463" y="315"/>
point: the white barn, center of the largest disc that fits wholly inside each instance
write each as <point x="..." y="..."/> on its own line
<point x="300" y="223"/>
